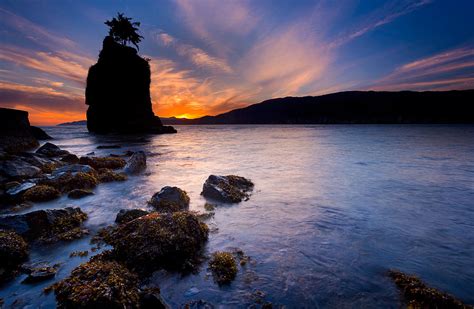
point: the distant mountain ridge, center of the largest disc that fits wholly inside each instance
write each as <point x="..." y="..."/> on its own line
<point x="351" y="107"/>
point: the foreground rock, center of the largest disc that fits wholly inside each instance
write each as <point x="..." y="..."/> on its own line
<point x="170" y="199"/>
<point x="47" y="225"/>
<point x="127" y="215"/>
<point x="107" y="175"/>
<point x="68" y="180"/>
<point x="98" y="284"/>
<point x="160" y="241"/>
<point x="39" y="272"/>
<point x="118" y="93"/>
<point x="13" y="252"/>
<point x="17" y="169"/>
<point x="223" y="267"/>
<point x="227" y="189"/>
<point x="15" y="131"/>
<point x="417" y="294"/>
<point x="136" y="163"/>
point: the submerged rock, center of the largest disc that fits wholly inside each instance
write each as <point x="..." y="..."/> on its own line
<point x="103" y="162"/>
<point x="159" y="240"/>
<point x="51" y="150"/>
<point x="170" y="199"/>
<point x="47" y="225"/>
<point x="127" y="215"/>
<point x="40" y="272"/>
<point x="98" y="284"/>
<point x="41" y="193"/>
<point x="223" y="267"/>
<point x="15" y="131"/>
<point x="227" y="189"/>
<point x="417" y="294"/>
<point x="79" y="193"/>
<point x="118" y="93"/>
<point x="136" y="163"/>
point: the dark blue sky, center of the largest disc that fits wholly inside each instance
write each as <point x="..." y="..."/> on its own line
<point x="210" y="56"/>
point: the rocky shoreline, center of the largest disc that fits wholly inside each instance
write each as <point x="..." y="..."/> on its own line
<point x="166" y="236"/>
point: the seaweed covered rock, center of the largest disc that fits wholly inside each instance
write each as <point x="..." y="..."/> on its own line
<point x="227" y="189"/>
<point x="51" y="150"/>
<point x="118" y="93"/>
<point x="223" y="267"/>
<point x="170" y="199"/>
<point x="160" y="240"/>
<point x="41" y="193"/>
<point x="417" y="294"/>
<point x="103" y="162"/>
<point x="127" y="215"/>
<point x="13" y="249"/>
<point x="108" y="175"/>
<point x="15" y="131"/>
<point x="98" y="284"/>
<point x="136" y="163"/>
<point x="79" y="193"/>
<point x="69" y="181"/>
<point x="70" y="158"/>
<point x="48" y="225"/>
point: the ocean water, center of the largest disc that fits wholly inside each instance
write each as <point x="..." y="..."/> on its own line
<point x="334" y="207"/>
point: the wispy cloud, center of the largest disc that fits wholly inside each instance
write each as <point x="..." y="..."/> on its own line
<point x="197" y="56"/>
<point x="454" y="68"/>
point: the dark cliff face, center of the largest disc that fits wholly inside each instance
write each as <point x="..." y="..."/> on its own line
<point x="118" y="93"/>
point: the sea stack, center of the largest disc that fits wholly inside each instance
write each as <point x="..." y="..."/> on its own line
<point x="118" y="93"/>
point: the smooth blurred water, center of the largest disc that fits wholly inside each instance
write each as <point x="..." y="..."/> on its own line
<point x="334" y="208"/>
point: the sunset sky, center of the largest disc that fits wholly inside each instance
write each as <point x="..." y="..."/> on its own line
<point x="211" y="56"/>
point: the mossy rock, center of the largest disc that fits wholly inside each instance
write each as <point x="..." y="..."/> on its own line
<point x="223" y="267"/>
<point x="103" y="162"/>
<point x="107" y="175"/>
<point x="13" y="249"/>
<point x="416" y="294"/>
<point x="70" y="181"/>
<point x="98" y="284"/>
<point x="170" y="199"/>
<point x="41" y="193"/>
<point x="160" y="241"/>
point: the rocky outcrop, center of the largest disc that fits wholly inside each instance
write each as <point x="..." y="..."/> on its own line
<point x="118" y="93"/>
<point x="15" y="131"/>
<point x="227" y="189"/>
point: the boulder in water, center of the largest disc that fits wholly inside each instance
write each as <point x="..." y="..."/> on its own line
<point x="15" y="131"/>
<point x="136" y="163"/>
<point x="127" y="215"/>
<point x="79" y="193"/>
<point x="51" y="150"/>
<point x="170" y="199"/>
<point x="227" y="189"/>
<point x="41" y="193"/>
<point x="39" y="133"/>
<point x="103" y="162"/>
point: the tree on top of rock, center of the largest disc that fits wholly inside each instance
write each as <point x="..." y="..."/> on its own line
<point x="123" y="30"/>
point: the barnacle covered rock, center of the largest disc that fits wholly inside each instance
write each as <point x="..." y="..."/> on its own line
<point x="227" y="189"/>
<point x="170" y="199"/>
<point x="223" y="267"/>
<point x="159" y="240"/>
<point x="13" y="249"/>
